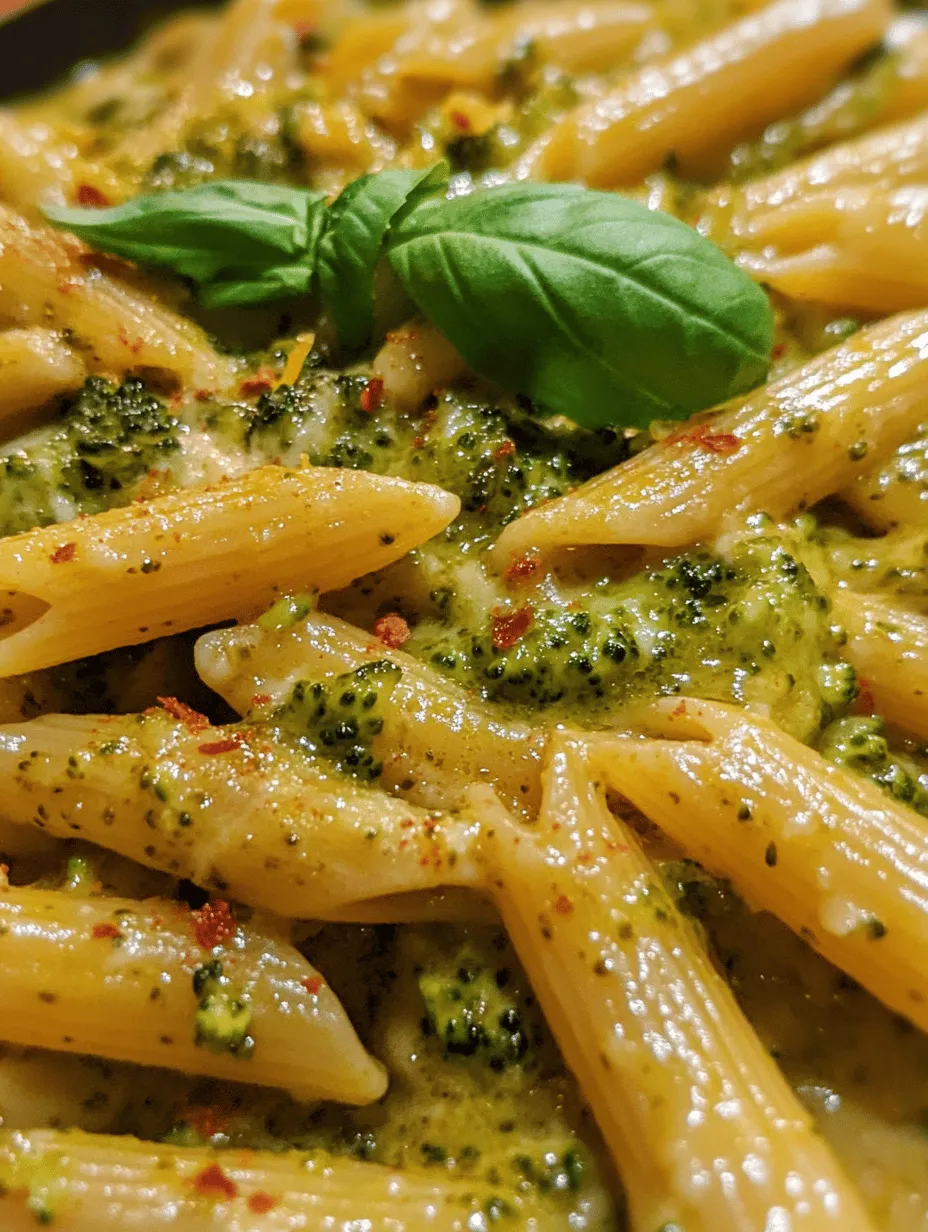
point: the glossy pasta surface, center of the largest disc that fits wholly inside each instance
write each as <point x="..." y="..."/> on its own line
<point x="419" y="810"/>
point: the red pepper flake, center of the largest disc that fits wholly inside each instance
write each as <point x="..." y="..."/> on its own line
<point x="191" y="719"/>
<point x="260" y="383"/>
<point x="460" y="121"/>
<point x="88" y="195"/>
<point x="204" y="1119"/>
<point x="564" y="906"/>
<point x="678" y="711"/>
<point x="103" y="931"/>
<point x="215" y="747"/>
<point x="213" y="924"/>
<point x="703" y="436"/>
<point x="392" y="630"/>
<point x="203" y="395"/>
<point x="260" y="1203"/>
<point x="312" y="984"/>
<point x="863" y="702"/>
<point x="511" y="627"/>
<point x="134" y="346"/>
<point x="212" y="1182"/>
<point x="372" y="395"/>
<point x="261" y="699"/>
<point x="63" y="555"/>
<point x="779" y="350"/>
<point x="522" y="570"/>
<point x="506" y="450"/>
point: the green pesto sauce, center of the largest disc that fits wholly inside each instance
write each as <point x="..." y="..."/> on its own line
<point x="102" y="443"/>
<point x="859" y="743"/>
<point x="470" y="1013"/>
<point x="338" y="719"/>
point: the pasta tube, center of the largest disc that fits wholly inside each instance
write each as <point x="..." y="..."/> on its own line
<point x="38" y="168"/>
<point x="772" y="61"/>
<point x="436" y="740"/>
<point x="152" y="983"/>
<point x="704" y="1130"/>
<point x="895" y="493"/>
<point x="91" y="1183"/>
<point x="889" y="648"/>
<point x="823" y="850"/>
<point x="196" y="557"/>
<point x="233" y="809"/>
<point x="47" y="278"/>
<point x="784" y="447"/>
<point x="35" y="366"/>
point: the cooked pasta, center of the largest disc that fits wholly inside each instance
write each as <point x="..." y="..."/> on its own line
<point x="464" y="578"/>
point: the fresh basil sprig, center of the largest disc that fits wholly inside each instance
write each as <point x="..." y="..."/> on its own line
<point x="587" y="302"/>
<point x="242" y="242"/>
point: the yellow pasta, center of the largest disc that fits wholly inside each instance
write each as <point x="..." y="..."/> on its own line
<point x="705" y="1132"/>
<point x="46" y="278"/>
<point x="92" y="1183"/>
<point x="233" y="809"/>
<point x="194" y="558"/>
<point x="772" y="62"/>
<point x="889" y="647"/>
<point x="781" y="449"/>
<point x="414" y="361"/>
<point x="35" y="366"/>
<point x="119" y="978"/>
<point x="436" y="740"/>
<point x="895" y="493"/>
<point x="38" y="168"/>
<point x="820" y="848"/>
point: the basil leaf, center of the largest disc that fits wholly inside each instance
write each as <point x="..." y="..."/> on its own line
<point x="350" y="248"/>
<point x="588" y="302"/>
<point x="241" y="242"/>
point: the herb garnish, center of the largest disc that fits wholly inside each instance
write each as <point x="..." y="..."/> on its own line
<point x="587" y="302"/>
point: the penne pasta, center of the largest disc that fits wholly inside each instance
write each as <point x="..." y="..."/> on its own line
<point x="704" y="1131"/>
<point x="436" y="740"/>
<point x="37" y="168"/>
<point x="895" y="493"/>
<point x="194" y="558"/>
<point x="889" y="648"/>
<point x="35" y="366"/>
<point x="774" y="61"/>
<point x="152" y="983"/>
<point x="233" y="809"/>
<point x="820" y="848"/>
<point x="49" y="279"/>
<point x="94" y="1183"/>
<point x="781" y="449"/>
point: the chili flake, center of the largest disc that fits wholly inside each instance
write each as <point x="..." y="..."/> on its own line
<point x="505" y="450"/>
<point x="261" y="699"/>
<point x="392" y="630"/>
<point x="63" y="555"/>
<point x="522" y="570"/>
<point x="105" y="930"/>
<point x="460" y="121"/>
<point x="215" y="747"/>
<point x="191" y="719"/>
<point x="213" y="924"/>
<point x="312" y="984"/>
<point x="372" y="395"/>
<point x="260" y="383"/>
<point x="212" y="1182"/>
<point x="88" y="195"/>
<point x="564" y="906"/>
<point x="703" y="436"/>
<point x="511" y="627"/>
<point x="260" y="1203"/>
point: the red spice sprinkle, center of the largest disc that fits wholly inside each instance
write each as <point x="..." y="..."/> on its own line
<point x="191" y="719"/>
<point x="372" y="395"/>
<point x="102" y="931"/>
<point x="135" y="346"/>
<point x="863" y="702"/>
<point x="204" y="1119"/>
<point x="63" y="555"/>
<point x="216" y="747"/>
<point x="88" y="195"/>
<point x="563" y="906"/>
<point x="392" y="630"/>
<point x="212" y="1182"/>
<point x="213" y="924"/>
<point x="203" y="395"/>
<point x="779" y="350"/>
<point x="511" y="627"/>
<point x="506" y="450"/>
<point x="260" y="383"/>
<point x="260" y="1203"/>
<point x="261" y="699"/>
<point x="522" y="570"/>
<point x="460" y="121"/>
<point x="312" y="984"/>
<point x="703" y="436"/>
<point x="678" y="711"/>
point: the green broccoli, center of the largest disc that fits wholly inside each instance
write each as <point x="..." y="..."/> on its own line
<point x="105" y="439"/>
<point x="223" y="1013"/>
<point x="859" y="743"/>
<point x="470" y="1013"/>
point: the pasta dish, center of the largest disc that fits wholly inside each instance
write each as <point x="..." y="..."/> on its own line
<point x="464" y="622"/>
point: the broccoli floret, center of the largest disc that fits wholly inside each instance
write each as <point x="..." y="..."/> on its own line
<point x="105" y="440"/>
<point x="223" y="1013"/>
<point x="752" y="627"/>
<point x="470" y="1013"/>
<point x="231" y="146"/>
<point x="338" y="719"/>
<point x="859" y="743"/>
